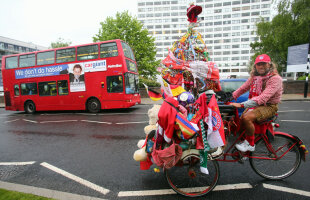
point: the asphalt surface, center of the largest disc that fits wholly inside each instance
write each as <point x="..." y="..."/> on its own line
<point x="98" y="149"/>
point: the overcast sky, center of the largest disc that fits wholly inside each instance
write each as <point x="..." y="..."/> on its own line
<point x="44" y="21"/>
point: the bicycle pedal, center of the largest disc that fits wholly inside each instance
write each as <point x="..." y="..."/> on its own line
<point x="242" y="160"/>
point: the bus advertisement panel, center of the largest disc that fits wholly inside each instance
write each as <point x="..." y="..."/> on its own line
<point x="92" y="77"/>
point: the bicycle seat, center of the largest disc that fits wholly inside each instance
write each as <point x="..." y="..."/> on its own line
<point x="269" y="120"/>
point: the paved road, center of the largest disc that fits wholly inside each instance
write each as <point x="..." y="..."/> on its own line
<point x="91" y="155"/>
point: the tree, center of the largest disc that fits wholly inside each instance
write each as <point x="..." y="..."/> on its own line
<point x="130" y="30"/>
<point x="60" y="43"/>
<point x="289" y="27"/>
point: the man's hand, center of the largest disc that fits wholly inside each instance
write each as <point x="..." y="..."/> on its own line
<point x="236" y="105"/>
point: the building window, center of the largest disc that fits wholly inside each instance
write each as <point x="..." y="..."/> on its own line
<point x="235" y="46"/>
<point x="217" y="10"/>
<point x="255" y="13"/>
<point x="235" y="2"/>
<point x="236" y="9"/>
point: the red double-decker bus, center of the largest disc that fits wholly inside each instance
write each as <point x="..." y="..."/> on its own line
<point x="91" y="77"/>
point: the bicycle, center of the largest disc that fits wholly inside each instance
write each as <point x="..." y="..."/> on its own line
<point x="272" y="149"/>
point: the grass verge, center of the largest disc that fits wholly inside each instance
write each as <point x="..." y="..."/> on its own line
<point x="11" y="195"/>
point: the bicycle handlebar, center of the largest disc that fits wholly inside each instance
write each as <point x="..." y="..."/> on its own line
<point x="226" y="107"/>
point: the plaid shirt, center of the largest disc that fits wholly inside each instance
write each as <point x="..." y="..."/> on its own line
<point x="271" y="94"/>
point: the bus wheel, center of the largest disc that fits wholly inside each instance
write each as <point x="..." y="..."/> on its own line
<point x="30" y="107"/>
<point x="93" y="105"/>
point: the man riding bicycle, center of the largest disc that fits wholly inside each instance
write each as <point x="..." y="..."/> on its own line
<point x="265" y="85"/>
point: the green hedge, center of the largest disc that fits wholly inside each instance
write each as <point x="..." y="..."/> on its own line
<point x="302" y="78"/>
<point x="148" y="82"/>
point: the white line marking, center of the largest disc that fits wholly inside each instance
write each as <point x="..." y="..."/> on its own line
<point x="292" y="111"/>
<point x="17" y="163"/>
<point x="132" y="122"/>
<point x="286" y="189"/>
<point x="30" y="121"/>
<point x="170" y="191"/>
<point x="14" y="120"/>
<point x="294" y="121"/>
<point x="58" y="121"/>
<point x="96" y="122"/>
<point x="76" y="178"/>
<point x="233" y="186"/>
<point x="45" y="192"/>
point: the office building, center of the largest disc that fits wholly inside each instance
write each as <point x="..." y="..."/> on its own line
<point x="227" y="27"/>
<point x="10" y="46"/>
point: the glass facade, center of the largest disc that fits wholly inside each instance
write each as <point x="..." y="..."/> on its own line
<point x="228" y="28"/>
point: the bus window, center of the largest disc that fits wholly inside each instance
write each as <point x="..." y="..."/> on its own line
<point x="45" y="58"/>
<point x="131" y="66"/>
<point x="65" y="55"/>
<point x="29" y="88"/>
<point x="27" y="60"/>
<point x="11" y="62"/>
<point x="131" y="83"/>
<point x="87" y="52"/>
<point x="108" y="50"/>
<point x="127" y="51"/>
<point x="16" y="90"/>
<point x="115" y="84"/>
<point x="47" y="88"/>
<point x="62" y="87"/>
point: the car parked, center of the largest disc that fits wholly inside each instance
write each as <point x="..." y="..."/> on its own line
<point x="230" y="85"/>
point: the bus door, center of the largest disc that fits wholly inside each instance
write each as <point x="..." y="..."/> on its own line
<point x="48" y="95"/>
<point x="64" y="100"/>
<point x="15" y="96"/>
<point x="115" y="90"/>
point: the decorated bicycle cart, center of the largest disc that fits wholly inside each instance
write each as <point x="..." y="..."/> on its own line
<point x="187" y="135"/>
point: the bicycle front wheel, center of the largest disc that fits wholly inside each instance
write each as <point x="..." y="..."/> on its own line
<point x="280" y="168"/>
<point x="186" y="178"/>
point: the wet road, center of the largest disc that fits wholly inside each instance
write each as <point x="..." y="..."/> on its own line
<point x="98" y="149"/>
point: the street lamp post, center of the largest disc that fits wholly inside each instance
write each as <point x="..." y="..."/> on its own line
<point x="307" y="72"/>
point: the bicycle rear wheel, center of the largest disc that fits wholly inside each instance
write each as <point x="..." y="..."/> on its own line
<point x="186" y="178"/>
<point x="280" y="168"/>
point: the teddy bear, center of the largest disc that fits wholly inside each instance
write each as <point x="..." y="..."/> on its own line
<point x="141" y="154"/>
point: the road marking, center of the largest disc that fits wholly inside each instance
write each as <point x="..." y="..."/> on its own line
<point x="76" y="178"/>
<point x="17" y="163"/>
<point x="294" y="121"/>
<point x="286" y="189"/>
<point x="54" y="194"/>
<point x="96" y="122"/>
<point x="291" y="111"/>
<point x="73" y="120"/>
<point x="30" y="121"/>
<point x="14" y="120"/>
<point x="170" y="191"/>
<point x="132" y="122"/>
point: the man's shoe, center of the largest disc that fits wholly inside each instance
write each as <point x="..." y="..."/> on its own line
<point x="245" y="146"/>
